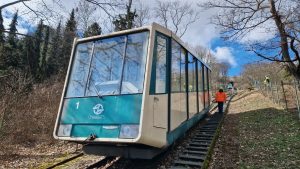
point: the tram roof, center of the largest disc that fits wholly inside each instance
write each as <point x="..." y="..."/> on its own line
<point x="154" y="26"/>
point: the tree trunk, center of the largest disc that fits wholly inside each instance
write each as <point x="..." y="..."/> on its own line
<point x="293" y="69"/>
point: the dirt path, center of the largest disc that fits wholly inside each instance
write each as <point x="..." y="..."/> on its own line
<point x="257" y="134"/>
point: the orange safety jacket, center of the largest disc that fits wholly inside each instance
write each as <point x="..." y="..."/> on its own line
<point x="220" y="97"/>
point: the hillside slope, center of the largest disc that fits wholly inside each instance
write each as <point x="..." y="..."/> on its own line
<point x="257" y="134"/>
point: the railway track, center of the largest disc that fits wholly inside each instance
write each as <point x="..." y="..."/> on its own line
<point x="66" y="160"/>
<point x="102" y="163"/>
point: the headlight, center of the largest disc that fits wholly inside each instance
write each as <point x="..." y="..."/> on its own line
<point x="129" y="131"/>
<point x="64" y="130"/>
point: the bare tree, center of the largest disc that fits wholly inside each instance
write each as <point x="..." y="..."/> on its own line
<point x="254" y="73"/>
<point x="143" y="14"/>
<point x="37" y="10"/>
<point x="239" y="18"/>
<point x="85" y="15"/>
<point x="203" y="53"/>
<point x="224" y="67"/>
<point x="176" y="16"/>
<point x="108" y="6"/>
<point x="219" y="75"/>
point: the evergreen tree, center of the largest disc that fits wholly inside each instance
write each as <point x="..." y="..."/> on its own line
<point x="2" y="40"/>
<point x="34" y="59"/>
<point x="55" y="59"/>
<point x="12" y="36"/>
<point x="22" y="61"/>
<point x="2" y="36"/>
<point x="10" y="54"/>
<point x="126" y="21"/>
<point x="71" y="23"/>
<point x="28" y="54"/>
<point x="93" y="30"/>
<point x="69" y="35"/>
<point x="2" y="58"/>
<point x="43" y="57"/>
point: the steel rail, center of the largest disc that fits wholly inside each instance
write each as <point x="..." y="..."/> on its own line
<point x="66" y="160"/>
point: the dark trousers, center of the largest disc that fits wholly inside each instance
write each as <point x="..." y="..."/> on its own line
<point x="220" y="107"/>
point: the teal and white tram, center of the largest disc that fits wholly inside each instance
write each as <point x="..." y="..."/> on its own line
<point x="132" y="93"/>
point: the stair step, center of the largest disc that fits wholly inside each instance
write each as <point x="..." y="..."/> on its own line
<point x="190" y="163"/>
<point x="192" y="157"/>
<point x="197" y="148"/>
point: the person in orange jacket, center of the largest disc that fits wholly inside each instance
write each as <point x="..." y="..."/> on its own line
<point x="220" y="99"/>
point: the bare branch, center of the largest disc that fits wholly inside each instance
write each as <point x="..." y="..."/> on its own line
<point x="104" y="5"/>
<point x="271" y="58"/>
<point x="176" y="16"/>
<point x="12" y="3"/>
<point x="143" y="14"/>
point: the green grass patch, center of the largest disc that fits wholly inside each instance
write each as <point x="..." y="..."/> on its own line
<point x="269" y="138"/>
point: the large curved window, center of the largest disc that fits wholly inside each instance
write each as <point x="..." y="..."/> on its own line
<point x="116" y="66"/>
<point x="106" y="67"/>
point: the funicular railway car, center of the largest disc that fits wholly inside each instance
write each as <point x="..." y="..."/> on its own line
<point x="132" y="93"/>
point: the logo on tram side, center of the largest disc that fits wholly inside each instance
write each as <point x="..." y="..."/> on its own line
<point x="98" y="109"/>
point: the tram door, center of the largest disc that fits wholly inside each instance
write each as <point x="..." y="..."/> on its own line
<point x="159" y="82"/>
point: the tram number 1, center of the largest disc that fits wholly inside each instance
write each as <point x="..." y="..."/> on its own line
<point x="77" y="105"/>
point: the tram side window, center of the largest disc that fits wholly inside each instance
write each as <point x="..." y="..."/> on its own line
<point x="161" y="65"/>
<point x="209" y="83"/>
<point x="205" y="78"/>
<point x="200" y="78"/>
<point x="182" y="67"/>
<point x="178" y="68"/>
<point x="191" y="73"/>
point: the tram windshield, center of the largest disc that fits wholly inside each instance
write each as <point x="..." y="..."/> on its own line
<point x="110" y="66"/>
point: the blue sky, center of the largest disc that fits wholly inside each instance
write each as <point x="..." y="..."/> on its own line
<point x="24" y="26"/>
<point x="241" y="56"/>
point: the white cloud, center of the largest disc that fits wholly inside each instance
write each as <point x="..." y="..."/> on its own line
<point x="200" y="33"/>
<point x="22" y="30"/>
<point x="224" y="54"/>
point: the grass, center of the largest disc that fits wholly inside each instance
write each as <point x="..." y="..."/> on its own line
<point x="269" y="138"/>
<point x="55" y="161"/>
